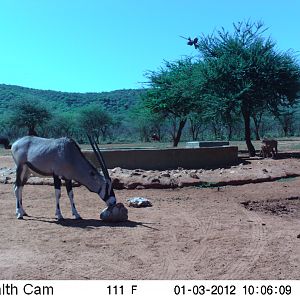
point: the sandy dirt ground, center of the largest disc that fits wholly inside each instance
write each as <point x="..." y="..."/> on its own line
<point x="241" y="229"/>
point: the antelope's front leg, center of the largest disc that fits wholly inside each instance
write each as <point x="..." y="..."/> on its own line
<point x="57" y="186"/>
<point x="71" y="197"/>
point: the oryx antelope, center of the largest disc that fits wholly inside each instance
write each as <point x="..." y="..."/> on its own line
<point x="62" y="159"/>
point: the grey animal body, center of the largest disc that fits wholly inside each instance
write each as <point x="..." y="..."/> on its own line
<point x="62" y="159"/>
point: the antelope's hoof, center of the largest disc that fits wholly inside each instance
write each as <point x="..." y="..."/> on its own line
<point x="20" y="217"/>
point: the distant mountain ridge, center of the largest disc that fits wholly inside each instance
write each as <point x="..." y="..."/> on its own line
<point x="116" y="101"/>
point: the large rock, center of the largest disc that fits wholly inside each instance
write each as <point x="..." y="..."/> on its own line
<point x="117" y="213"/>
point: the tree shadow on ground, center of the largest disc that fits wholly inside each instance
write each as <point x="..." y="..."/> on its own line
<point x="287" y="155"/>
<point x="243" y="158"/>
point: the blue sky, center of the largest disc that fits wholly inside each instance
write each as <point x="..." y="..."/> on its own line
<point x="104" y="45"/>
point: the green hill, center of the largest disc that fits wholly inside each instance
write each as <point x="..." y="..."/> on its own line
<point x="115" y="102"/>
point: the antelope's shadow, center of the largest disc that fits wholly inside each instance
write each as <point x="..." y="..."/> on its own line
<point x="89" y="223"/>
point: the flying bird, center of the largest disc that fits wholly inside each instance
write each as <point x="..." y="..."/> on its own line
<point x="191" y="42"/>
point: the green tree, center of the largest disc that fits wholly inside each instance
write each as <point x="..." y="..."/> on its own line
<point x="286" y="118"/>
<point x="29" y="114"/>
<point x="172" y="94"/>
<point x="247" y="74"/>
<point x="61" y="124"/>
<point x="146" y="122"/>
<point x="94" y="120"/>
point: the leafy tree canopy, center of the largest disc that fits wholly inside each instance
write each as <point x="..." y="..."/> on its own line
<point x="172" y="92"/>
<point x="29" y="113"/>
<point x="242" y="71"/>
<point x="172" y="88"/>
<point x="94" y="120"/>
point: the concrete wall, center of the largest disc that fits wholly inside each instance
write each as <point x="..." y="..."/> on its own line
<point x="162" y="159"/>
<point x="197" y="144"/>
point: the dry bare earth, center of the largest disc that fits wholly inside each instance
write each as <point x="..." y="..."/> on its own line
<point x="234" y="232"/>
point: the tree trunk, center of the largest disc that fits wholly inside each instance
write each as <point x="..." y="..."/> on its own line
<point x="251" y="149"/>
<point x="179" y="132"/>
<point x="257" y="137"/>
<point x="194" y="132"/>
<point x="31" y="131"/>
<point x="229" y="132"/>
<point x="144" y="134"/>
<point x="256" y="129"/>
<point x="104" y="131"/>
<point x="285" y="130"/>
<point x="257" y="122"/>
<point x="215" y="130"/>
<point x="193" y="128"/>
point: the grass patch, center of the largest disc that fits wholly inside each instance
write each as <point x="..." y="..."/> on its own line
<point x="4" y="152"/>
<point x="206" y="185"/>
<point x="286" y="179"/>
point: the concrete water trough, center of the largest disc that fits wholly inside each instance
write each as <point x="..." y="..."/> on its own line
<point x="171" y="158"/>
<point x="199" y="144"/>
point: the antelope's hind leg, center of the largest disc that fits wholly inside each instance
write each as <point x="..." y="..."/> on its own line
<point x="57" y="186"/>
<point x="22" y="175"/>
<point x="71" y="197"/>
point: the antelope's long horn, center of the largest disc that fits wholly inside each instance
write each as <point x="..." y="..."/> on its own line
<point x="99" y="156"/>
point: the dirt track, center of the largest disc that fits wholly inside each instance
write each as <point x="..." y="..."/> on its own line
<point x="232" y="232"/>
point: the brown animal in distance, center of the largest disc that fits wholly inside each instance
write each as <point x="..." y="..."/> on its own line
<point x="269" y="148"/>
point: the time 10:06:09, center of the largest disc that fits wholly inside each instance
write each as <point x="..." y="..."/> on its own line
<point x="267" y="290"/>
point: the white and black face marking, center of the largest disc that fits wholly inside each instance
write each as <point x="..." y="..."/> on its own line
<point x="111" y="201"/>
<point x="107" y="193"/>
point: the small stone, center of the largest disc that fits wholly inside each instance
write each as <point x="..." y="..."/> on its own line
<point x="155" y="180"/>
<point x="140" y="187"/>
<point x="135" y="174"/>
<point x="139" y="202"/>
<point x="177" y="175"/>
<point x="165" y="175"/>
<point x="194" y="175"/>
